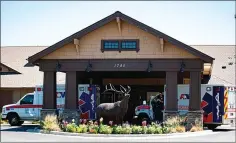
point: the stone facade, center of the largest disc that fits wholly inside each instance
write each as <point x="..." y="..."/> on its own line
<point x="69" y="114"/>
<point x="45" y="112"/>
<point x="170" y="114"/>
<point x="194" y="117"/>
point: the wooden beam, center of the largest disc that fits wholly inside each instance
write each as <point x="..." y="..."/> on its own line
<point x="162" y="44"/>
<point x="76" y="42"/>
<point x="118" y="23"/>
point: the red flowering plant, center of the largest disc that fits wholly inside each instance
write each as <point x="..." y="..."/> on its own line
<point x="63" y="125"/>
<point x="144" y="123"/>
<point x="110" y="123"/>
<point x="84" y="121"/>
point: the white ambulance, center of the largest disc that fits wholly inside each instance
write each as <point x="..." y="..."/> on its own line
<point x="217" y="104"/>
<point x="29" y="106"/>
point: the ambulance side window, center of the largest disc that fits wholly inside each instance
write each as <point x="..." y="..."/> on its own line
<point x="29" y="99"/>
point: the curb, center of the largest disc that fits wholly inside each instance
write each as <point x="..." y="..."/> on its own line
<point x="122" y="135"/>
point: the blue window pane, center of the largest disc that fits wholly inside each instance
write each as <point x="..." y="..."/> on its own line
<point x="111" y="45"/>
<point x="128" y="45"/>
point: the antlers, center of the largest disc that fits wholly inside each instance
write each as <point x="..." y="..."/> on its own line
<point x="122" y="89"/>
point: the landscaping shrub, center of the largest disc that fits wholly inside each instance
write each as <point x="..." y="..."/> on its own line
<point x="50" y="123"/>
<point x="165" y="130"/>
<point x="2" y="121"/>
<point x="172" y="125"/>
<point x="180" y="129"/>
<point x="71" y="128"/>
<point x="144" y="129"/>
<point x="126" y="130"/>
<point x="137" y="129"/>
<point x="117" y="129"/>
<point x="84" y="128"/>
<point x="172" y="122"/>
<point x="197" y="126"/>
<point x="158" y="130"/>
<point x="105" y="129"/>
<point x="93" y="129"/>
<point x="151" y="130"/>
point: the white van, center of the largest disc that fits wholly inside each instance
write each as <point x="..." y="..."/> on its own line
<point x="29" y="106"/>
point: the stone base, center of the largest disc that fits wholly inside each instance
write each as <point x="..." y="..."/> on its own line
<point x="170" y="114"/>
<point x="45" y="112"/>
<point x="68" y="115"/>
<point x="194" y="117"/>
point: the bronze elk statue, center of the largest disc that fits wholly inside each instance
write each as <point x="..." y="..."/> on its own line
<point x="117" y="110"/>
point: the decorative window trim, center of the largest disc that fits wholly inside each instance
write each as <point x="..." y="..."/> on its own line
<point x="119" y="45"/>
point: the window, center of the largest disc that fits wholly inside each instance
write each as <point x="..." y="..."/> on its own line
<point x="120" y="45"/>
<point x="128" y="45"/>
<point x="27" y="99"/>
<point x="111" y="45"/>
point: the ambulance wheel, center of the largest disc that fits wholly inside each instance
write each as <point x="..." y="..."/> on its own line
<point x="143" y="117"/>
<point x="212" y="127"/>
<point x="14" y="120"/>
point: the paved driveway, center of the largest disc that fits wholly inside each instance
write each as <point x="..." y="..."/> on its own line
<point x="19" y="134"/>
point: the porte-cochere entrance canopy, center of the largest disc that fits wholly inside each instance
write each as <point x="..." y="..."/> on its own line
<point x="119" y="43"/>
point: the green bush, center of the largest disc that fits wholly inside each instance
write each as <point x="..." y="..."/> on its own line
<point x="71" y="128"/>
<point x="165" y="130"/>
<point x="79" y="129"/>
<point x="104" y="129"/>
<point x="144" y="129"/>
<point x="126" y="130"/>
<point x="117" y="130"/>
<point x="93" y="129"/>
<point x="158" y="130"/>
<point x="137" y="129"/>
<point x="84" y="128"/>
<point x="151" y="130"/>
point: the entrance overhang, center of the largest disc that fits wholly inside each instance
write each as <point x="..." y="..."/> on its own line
<point x="148" y="65"/>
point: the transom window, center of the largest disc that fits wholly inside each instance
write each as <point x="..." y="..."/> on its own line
<point x="128" y="44"/>
<point x="111" y="45"/>
<point x="120" y="45"/>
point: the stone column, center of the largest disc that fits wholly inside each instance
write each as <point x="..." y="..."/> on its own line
<point x="195" y="113"/>
<point x="49" y="94"/>
<point x="171" y="109"/>
<point x="71" y="110"/>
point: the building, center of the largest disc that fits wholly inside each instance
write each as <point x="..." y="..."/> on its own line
<point x="120" y="50"/>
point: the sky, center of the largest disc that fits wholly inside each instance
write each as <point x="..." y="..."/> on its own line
<point x="43" y="23"/>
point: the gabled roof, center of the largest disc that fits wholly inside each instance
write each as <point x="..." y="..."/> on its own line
<point x="127" y="19"/>
<point x="9" y="70"/>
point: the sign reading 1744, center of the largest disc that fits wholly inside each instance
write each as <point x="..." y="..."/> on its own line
<point x="119" y="65"/>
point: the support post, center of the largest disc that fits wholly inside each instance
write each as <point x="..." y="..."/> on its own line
<point x="171" y="109"/>
<point x="49" y="94"/>
<point x="195" y="113"/>
<point x="71" y="98"/>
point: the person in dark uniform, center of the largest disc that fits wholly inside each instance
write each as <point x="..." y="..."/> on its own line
<point x="158" y="105"/>
<point x="161" y="107"/>
<point x="154" y="103"/>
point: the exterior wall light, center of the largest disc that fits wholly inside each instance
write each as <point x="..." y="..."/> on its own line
<point x="89" y="67"/>
<point x="182" y="66"/>
<point x="58" y="66"/>
<point x="149" y="69"/>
